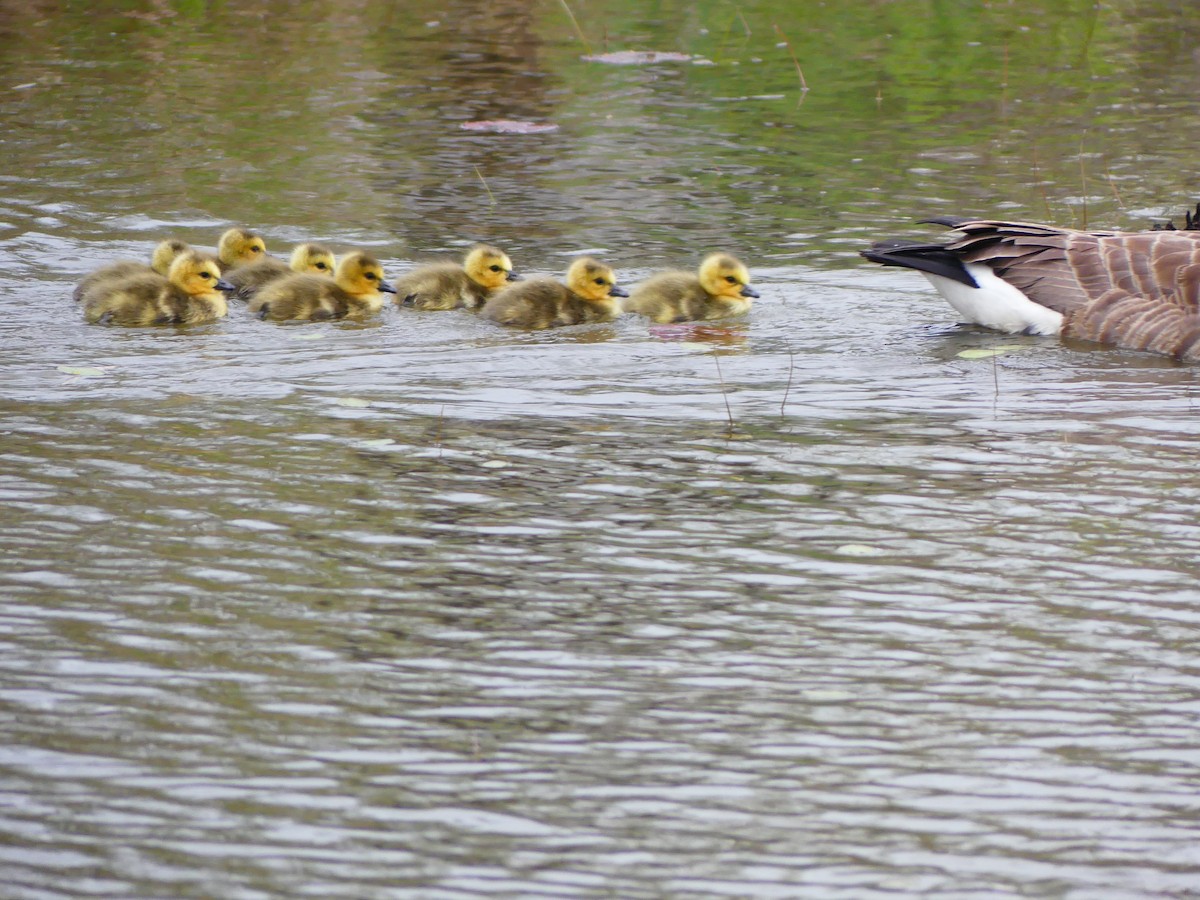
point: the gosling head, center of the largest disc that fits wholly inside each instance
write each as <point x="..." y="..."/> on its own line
<point x="489" y="267"/>
<point x="312" y="259"/>
<point x="592" y="280"/>
<point x="164" y="254"/>
<point x="196" y="274"/>
<point x="239" y="246"/>
<point x="724" y="276"/>
<point x="361" y="274"/>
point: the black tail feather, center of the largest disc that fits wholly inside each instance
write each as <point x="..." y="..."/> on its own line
<point x="932" y="258"/>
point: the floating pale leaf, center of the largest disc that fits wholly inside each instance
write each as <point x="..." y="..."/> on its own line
<point x="378" y="444"/>
<point x="307" y="336"/>
<point x="353" y="402"/>
<point x="638" y="57"/>
<point x="509" y="126"/>
<point x="494" y="464"/>
<point x="83" y="371"/>
<point x="859" y="550"/>
<point x="982" y="352"/>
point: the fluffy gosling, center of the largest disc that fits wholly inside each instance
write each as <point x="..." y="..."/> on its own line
<point x="484" y="271"/>
<point x="589" y="295"/>
<point x="306" y="259"/>
<point x="160" y="262"/>
<point x="239" y="247"/>
<point x="720" y="289"/>
<point x="356" y="289"/>
<point x="190" y="294"/>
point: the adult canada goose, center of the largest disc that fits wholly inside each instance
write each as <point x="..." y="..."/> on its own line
<point x="721" y="288"/>
<point x="160" y="262"/>
<point x="306" y="259"/>
<point x="356" y="289"/>
<point x="190" y="294"/>
<point x="450" y="286"/>
<point x="1138" y="290"/>
<point x="590" y="295"/>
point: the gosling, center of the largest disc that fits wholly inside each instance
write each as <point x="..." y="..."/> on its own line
<point x="190" y="294"/>
<point x="590" y="295"/>
<point x="720" y="289"/>
<point x="356" y="289"/>
<point x="306" y="259"/>
<point x="451" y="286"/>
<point x="239" y="247"/>
<point x="160" y="262"/>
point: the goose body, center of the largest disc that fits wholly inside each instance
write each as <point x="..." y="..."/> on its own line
<point x="306" y="259"/>
<point x="160" y="263"/>
<point x="356" y="289"/>
<point x="484" y="271"/>
<point x="720" y="289"/>
<point x="1139" y="290"/>
<point x="190" y="294"/>
<point x="589" y="295"/>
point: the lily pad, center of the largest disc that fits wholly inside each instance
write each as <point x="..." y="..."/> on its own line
<point x="638" y="57"/>
<point x="84" y="371"/>
<point x="509" y="126"/>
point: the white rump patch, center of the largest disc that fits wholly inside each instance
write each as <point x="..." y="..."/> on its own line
<point x="996" y="303"/>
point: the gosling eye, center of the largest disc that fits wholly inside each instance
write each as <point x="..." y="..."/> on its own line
<point x="322" y="266"/>
<point x="205" y="275"/>
<point x="601" y="282"/>
<point x="371" y="276"/>
<point x="495" y="268"/>
<point x="731" y="279"/>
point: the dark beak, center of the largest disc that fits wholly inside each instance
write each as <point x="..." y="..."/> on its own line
<point x="386" y="288"/>
<point x="617" y="292"/>
<point x="223" y="285"/>
<point x="748" y="291"/>
<point x="512" y="276"/>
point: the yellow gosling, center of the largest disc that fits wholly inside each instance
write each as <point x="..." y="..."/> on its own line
<point x="720" y="289"/>
<point x="160" y="261"/>
<point x="306" y="259"/>
<point x="190" y="294"/>
<point x="356" y="289"/>
<point x="484" y="271"/>
<point x="590" y="295"/>
<point x="239" y="247"/>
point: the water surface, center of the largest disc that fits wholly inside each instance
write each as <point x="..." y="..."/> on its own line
<point x="801" y="605"/>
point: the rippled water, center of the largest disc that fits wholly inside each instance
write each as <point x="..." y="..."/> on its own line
<point x="805" y="605"/>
